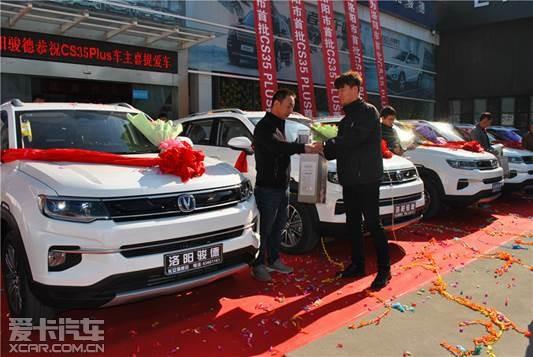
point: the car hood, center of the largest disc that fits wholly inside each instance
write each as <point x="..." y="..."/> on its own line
<point x="96" y="180"/>
<point x="516" y="152"/>
<point x="455" y="153"/>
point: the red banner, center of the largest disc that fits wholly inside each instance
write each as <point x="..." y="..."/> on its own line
<point x="266" y="54"/>
<point x="378" y="51"/>
<point x="353" y="32"/>
<point x="332" y="66"/>
<point x="302" y="58"/>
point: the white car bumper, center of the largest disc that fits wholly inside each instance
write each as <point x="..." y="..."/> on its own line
<point x="407" y="194"/>
<point x="472" y="186"/>
<point x="520" y="175"/>
<point x="127" y="258"/>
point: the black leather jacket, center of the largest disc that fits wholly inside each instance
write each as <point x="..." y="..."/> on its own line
<point x="357" y="146"/>
<point x="272" y="152"/>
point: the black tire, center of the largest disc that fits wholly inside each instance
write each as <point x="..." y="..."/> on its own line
<point x="301" y="233"/>
<point x="287" y="57"/>
<point x="279" y="60"/>
<point x="402" y="84"/>
<point x="233" y="59"/>
<point x="21" y="300"/>
<point x="433" y="203"/>
<point x="419" y="81"/>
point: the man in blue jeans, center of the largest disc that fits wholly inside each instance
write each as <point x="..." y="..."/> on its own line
<point x="272" y="163"/>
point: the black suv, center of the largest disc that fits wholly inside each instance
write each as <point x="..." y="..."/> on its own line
<point x="242" y="46"/>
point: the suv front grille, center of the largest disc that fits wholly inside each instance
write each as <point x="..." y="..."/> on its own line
<point x="492" y="180"/>
<point x="396" y="177"/>
<point x="340" y="208"/>
<point x="137" y="208"/>
<point x="171" y="245"/>
<point x="246" y="37"/>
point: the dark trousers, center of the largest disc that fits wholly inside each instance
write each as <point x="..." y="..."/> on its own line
<point x="273" y="205"/>
<point x="363" y="200"/>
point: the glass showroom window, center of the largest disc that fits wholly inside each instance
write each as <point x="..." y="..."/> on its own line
<point x="508" y="106"/>
<point x="480" y="106"/>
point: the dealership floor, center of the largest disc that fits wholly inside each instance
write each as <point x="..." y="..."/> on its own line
<point x="307" y="314"/>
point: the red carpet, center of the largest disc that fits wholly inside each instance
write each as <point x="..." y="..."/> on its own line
<point x="241" y="317"/>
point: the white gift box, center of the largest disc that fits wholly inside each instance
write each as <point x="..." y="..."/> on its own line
<point x="312" y="179"/>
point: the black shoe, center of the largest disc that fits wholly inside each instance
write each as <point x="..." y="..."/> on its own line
<point x="352" y="271"/>
<point x="381" y="280"/>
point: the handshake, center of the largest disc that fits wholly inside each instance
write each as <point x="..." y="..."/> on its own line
<point x="314" y="148"/>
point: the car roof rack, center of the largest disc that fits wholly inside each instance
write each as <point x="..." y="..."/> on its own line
<point x="122" y="104"/>
<point x="223" y="110"/>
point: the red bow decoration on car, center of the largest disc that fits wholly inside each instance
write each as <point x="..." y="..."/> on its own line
<point x="472" y="146"/>
<point x="183" y="162"/>
<point x="242" y="163"/>
<point x="510" y="144"/>
<point x="386" y="153"/>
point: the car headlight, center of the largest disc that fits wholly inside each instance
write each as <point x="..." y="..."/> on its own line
<point x="73" y="209"/>
<point x="333" y="177"/>
<point x="246" y="190"/>
<point x="515" y="159"/>
<point x="462" y="164"/>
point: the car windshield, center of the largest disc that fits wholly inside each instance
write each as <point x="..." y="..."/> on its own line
<point x="249" y="19"/>
<point x="292" y="128"/>
<point x="405" y="133"/>
<point x="447" y="131"/>
<point x="506" y="135"/>
<point x="97" y="130"/>
<point x="401" y="56"/>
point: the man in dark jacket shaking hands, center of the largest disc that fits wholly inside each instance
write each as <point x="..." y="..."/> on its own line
<point x="272" y="163"/>
<point x="357" y="149"/>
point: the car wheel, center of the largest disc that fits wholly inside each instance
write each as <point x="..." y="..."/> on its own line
<point x="22" y="303"/>
<point x="301" y="232"/>
<point x="288" y="57"/>
<point x="234" y="59"/>
<point x="419" y="81"/>
<point x="433" y="202"/>
<point x="401" y="82"/>
<point x="279" y="60"/>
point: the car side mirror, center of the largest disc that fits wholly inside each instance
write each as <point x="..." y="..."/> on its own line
<point x="186" y="139"/>
<point x="241" y="143"/>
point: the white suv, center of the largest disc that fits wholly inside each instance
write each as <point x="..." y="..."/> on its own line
<point x="401" y="192"/>
<point x="78" y="235"/>
<point x="453" y="176"/>
<point x="520" y="161"/>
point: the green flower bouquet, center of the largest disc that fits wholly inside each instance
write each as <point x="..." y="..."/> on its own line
<point x="156" y="131"/>
<point x="323" y="132"/>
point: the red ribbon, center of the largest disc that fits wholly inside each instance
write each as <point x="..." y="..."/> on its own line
<point x="510" y="144"/>
<point x="242" y="163"/>
<point x="183" y="161"/>
<point x="386" y="153"/>
<point x="472" y="146"/>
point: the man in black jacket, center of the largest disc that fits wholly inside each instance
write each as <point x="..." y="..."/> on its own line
<point x="357" y="149"/>
<point x="479" y="133"/>
<point x="272" y="163"/>
<point x="388" y="116"/>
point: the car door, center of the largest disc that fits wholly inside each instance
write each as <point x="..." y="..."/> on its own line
<point x="229" y="128"/>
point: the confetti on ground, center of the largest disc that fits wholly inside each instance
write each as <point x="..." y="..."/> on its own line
<point x="495" y="326"/>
